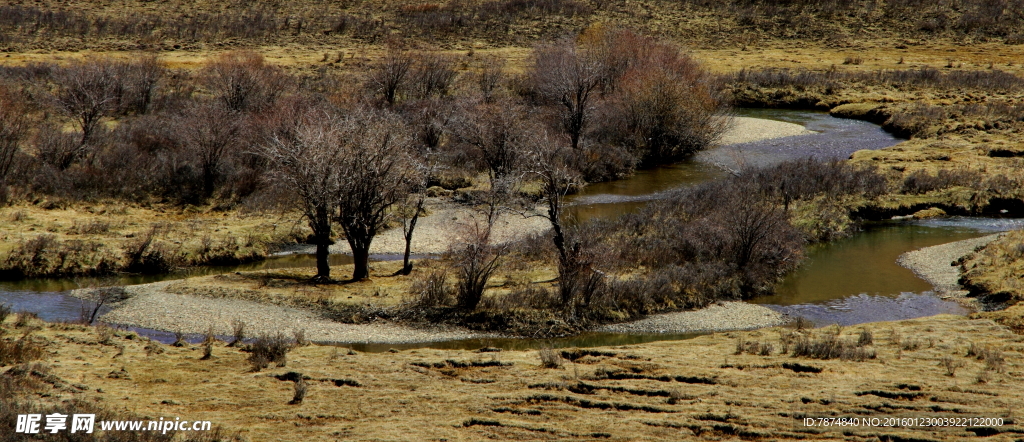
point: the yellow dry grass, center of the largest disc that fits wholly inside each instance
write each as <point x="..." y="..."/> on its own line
<point x="114" y="226"/>
<point x="696" y="389"/>
<point x="998" y="268"/>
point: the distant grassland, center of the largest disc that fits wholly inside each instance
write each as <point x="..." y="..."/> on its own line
<point x="132" y="25"/>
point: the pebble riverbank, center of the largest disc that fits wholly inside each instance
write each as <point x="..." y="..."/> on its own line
<point x="151" y="306"/>
<point x="935" y="264"/>
<point x="716" y="317"/>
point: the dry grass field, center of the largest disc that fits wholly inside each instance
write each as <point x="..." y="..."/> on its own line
<point x="700" y="389"/>
<point x="95" y="239"/>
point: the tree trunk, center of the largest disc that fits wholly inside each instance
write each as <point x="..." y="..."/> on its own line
<point x="361" y="256"/>
<point x="321" y="225"/>
<point x="208" y="181"/>
<point x="323" y="265"/>
<point x="554" y="216"/>
<point x="406" y="265"/>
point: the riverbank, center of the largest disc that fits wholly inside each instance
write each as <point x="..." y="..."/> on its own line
<point x="711" y="387"/>
<point x="151" y="306"/>
<point x="721" y="316"/>
<point x="939" y="265"/>
<point x="198" y="307"/>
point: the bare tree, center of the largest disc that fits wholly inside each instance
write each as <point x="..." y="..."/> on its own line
<point x="138" y="84"/>
<point x="55" y="147"/>
<point x="307" y="158"/>
<point x="375" y="175"/>
<point x="490" y="78"/>
<point x="211" y="133"/>
<point x="430" y="120"/>
<point x="411" y="210"/>
<point x="557" y="168"/>
<point x="86" y="92"/>
<point x="475" y="258"/>
<point x="499" y="131"/>
<point x="13" y="128"/>
<point x="243" y="81"/>
<point x="433" y="75"/>
<point x="568" y="76"/>
<point x="391" y="75"/>
<point x="349" y="169"/>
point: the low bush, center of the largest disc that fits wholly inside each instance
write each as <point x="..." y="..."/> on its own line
<point x="925" y="77"/>
<point x="268" y="350"/>
<point x="18" y="351"/>
<point x="951" y="365"/>
<point x="830" y="346"/>
<point x="300" y="391"/>
<point x="754" y="348"/>
<point x="922" y="181"/>
<point x="550" y="358"/>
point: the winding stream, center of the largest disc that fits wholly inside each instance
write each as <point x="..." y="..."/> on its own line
<point x="849" y="281"/>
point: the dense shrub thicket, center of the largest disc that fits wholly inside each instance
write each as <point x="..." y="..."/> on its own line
<point x="106" y="128"/>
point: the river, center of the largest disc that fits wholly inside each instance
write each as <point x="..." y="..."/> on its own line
<point x="849" y="281"/>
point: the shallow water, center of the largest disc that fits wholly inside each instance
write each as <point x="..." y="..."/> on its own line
<point x="836" y="138"/>
<point x="850" y="281"/>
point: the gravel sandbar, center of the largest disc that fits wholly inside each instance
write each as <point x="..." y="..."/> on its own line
<point x="935" y="264"/>
<point x="716" y="317"/>
<point x="152" y="307"/>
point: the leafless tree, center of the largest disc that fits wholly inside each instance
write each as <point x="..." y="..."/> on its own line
<point x="211" y="133"/>
<point x="391" y="74"/>
<point x="430" y="120"/>
<point x="413" y="207"/>
<point x="350" y="169"/>
<point x="568" y="76"/>
<point x="13" y="128"/>
<point x="557" y="168"/>
<point x="57" y="148"/>
<point x="433" y="75"/>
<point x="490" y="78"/>
<point x="86" y="92"/>
<point x="499" y="131"/>
<point x="307" y="157"/>
<point x="243" y="81"/>
<point x="754" y="227"/>
<point x="475" y="258"/>
<point x="138" y="82"/>
<point x="375" y="174"/>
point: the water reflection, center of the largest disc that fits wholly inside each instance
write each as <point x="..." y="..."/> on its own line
<point x="862" y="308"/>
<point x="865" y="263"/>
<point x="835" y="139"/>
